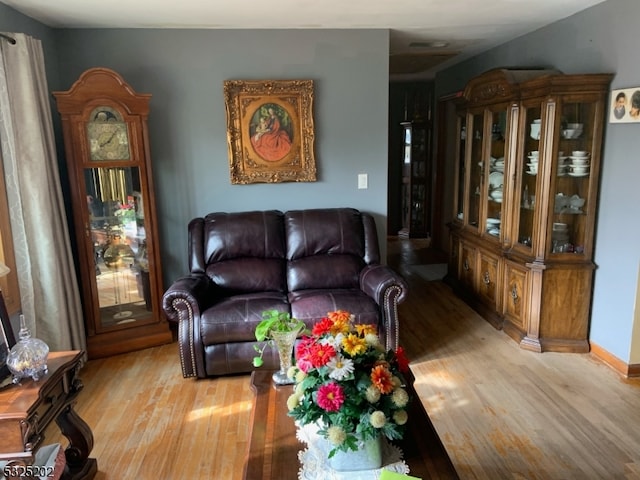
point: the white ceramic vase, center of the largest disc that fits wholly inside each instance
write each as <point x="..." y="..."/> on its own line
<point x="367" y="457"/>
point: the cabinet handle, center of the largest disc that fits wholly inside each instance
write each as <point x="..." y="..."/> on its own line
<point x="486" y="278"/>
<point x="514" y="294"/>
<point x="466" y="264"/>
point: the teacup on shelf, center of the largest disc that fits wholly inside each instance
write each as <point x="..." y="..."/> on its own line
<point x="580" y="161"/>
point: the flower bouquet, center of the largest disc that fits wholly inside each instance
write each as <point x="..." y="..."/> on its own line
<point x="347" y="383"/>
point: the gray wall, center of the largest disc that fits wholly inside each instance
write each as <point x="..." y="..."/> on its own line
<point x="184" y="71"/>
<point x="601" y="39"/>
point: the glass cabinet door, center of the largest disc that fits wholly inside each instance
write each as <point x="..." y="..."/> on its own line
<point x="476" y="168"/>
<point x="574" y="182"/>
<point x="495" y="180"/>
<point x="460" y="166"/>
<point x="528" y="171"/>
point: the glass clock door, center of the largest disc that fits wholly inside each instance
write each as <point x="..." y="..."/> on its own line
<point x="115" y="223"/>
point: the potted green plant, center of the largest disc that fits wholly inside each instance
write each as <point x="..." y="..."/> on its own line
<point x="279" y="329"/>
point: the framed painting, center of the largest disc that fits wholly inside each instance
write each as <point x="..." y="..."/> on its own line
<point x="270" y="133"/>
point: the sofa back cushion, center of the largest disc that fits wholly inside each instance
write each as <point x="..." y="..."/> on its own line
<point x="325" y="248"/>
<point x="240" y="252"/>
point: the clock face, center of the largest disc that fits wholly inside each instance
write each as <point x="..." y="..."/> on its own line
<point x="108" y="135"/>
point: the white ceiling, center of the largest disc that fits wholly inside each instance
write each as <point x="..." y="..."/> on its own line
<point x="467" y="26"/>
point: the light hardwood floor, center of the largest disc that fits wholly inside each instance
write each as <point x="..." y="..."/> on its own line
<point x="502" y="412"/>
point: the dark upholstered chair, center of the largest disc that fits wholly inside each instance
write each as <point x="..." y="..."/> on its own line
<point x="305" y="262"/>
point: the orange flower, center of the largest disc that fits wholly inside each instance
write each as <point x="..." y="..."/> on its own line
<point x="339" y="316"/>
<point x="382" y="379"/>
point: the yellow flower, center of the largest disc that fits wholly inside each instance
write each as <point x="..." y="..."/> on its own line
<point x="293" y="401"/>
<point x="291" y="373"/>
<point x="377" y="419"/>
<point x="299" y="389"/>
<point x="300" y="376"/>
<point x="372" y="394"/>
<point x="366" y="329"/>
<point x="354" y="345"/>
<point x="400" y="397"/>
<point x="336" y="435"/>
<point x="400" y="417"/>
<point x="372" y="340"/>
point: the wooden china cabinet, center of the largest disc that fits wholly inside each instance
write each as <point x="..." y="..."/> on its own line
<point x="107" y="151"/>
<point x="526" y="190"/>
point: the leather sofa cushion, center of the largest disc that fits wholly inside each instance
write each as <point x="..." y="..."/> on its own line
<point x="325" y="248"/>
<point x="318" y="231"/>
<point x="234" y="319"/>
<point x="324" y="271"/>
<point x="245" y="251"/>
<point x="312" y="305"/>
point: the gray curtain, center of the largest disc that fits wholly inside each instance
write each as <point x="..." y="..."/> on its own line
<point x="48" y="288"/>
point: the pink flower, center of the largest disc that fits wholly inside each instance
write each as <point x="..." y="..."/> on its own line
<point x="330" y="397"/>
<point x="303" y="354"/>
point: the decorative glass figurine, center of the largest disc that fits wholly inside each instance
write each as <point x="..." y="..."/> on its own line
<point x="28" y="357"/>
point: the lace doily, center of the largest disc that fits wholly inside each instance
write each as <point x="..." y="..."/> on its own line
<point x="315" y="466"/>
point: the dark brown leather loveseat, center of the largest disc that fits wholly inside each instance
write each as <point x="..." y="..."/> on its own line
<point x="305" y="262"/>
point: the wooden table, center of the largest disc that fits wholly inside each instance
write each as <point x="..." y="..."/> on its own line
<point x="273" y="447"/>
<point x="27" y="409"/>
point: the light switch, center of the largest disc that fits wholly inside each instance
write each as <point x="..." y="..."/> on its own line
<point x="363" y="181"/>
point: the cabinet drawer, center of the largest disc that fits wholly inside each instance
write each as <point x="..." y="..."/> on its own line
<point x="514" y="295"/>
<point x="488" y="278"/>
<point x="467" y="266"/>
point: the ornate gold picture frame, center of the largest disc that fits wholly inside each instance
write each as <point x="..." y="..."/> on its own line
<point x="270" y="132"/>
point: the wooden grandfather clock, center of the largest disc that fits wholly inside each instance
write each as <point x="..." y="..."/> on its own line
<point x="107" y="151"/>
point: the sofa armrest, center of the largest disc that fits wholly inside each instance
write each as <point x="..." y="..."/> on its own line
<point x="183" y="303"/>
<point x="388" y="289"/>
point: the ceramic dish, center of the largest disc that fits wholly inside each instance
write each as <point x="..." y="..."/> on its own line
<point x="494" y="231"/>
<point x="493" y="221"/>
<point x="571" y="174"/>
<point x="496" y="179"/>
<point x="532" y="173"/>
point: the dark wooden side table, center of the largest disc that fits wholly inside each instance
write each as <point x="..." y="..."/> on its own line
<point x="27" y="409"/>
<point x="273" y="447"/>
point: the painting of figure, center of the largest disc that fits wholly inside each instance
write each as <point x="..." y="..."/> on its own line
<point x="271" y="132"/>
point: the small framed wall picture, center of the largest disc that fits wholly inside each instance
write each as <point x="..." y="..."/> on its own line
<point x="624" y="105"/>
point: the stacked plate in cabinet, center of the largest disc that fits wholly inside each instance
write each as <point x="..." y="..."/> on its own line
<point x="493" y="226"/>
<point x="532" y="165"/>
<point x="579" y="163"/>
